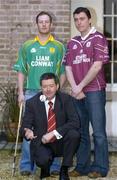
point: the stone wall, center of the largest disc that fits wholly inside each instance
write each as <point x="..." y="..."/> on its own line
<point x="17" y="24"/>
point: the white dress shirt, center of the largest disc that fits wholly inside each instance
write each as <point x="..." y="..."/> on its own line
<point x="58" y="136"/>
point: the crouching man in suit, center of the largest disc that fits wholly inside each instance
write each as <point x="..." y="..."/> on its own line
<point x="52" y="124"/>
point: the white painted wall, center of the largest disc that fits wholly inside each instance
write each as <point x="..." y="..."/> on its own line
<point x="111" y="112"/>
<point x="96" y="8"/>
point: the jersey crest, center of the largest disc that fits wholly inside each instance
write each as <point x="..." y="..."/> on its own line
<point x="52" y="50"/>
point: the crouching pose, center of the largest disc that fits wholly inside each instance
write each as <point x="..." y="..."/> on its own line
<point x="52" y="124"/>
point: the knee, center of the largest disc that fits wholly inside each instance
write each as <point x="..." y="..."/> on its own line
<point x="100" y="140"/>
<point x="42" y="161"/>
<point x="73" y="135"/>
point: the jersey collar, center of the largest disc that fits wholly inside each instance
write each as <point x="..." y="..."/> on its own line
<point x="51" y="38"/>
<point x="92" y="30"/>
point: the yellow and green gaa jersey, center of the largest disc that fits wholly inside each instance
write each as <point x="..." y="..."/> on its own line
<point x="35" y="58"/>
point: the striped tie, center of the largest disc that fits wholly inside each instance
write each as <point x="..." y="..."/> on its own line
<point x="51" y="118"/>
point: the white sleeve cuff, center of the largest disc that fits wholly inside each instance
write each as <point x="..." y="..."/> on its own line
<point x="58" y="136"/>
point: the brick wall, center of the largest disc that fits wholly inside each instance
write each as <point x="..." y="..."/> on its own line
<point x="17" y="24"/>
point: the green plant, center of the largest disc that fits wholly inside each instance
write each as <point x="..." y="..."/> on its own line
<point x="9" y="106"/>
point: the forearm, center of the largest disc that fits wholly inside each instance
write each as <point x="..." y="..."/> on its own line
<point x="91" y="75"/>
<point x="72" y="82"/>
<point x="20" y="87"/>
<point x="20" y="82"/>
<point x="69" y="75"/>
<point x="62" y="80"/>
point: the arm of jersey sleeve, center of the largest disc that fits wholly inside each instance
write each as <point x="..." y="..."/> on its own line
<point x="62" y="67"/>
<point x="101" y="51"/>
<point x="20" y="64"/>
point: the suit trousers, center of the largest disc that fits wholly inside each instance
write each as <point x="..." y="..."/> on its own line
<point x="65" y="147"/>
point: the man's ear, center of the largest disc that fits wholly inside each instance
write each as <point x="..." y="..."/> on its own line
<point x="90" y="21"/>
<point x="51" y="26"/>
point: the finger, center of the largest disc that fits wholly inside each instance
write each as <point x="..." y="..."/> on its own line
<point x="25" y="129"/>
<point x="43" y="141"/>
<point x="34" y="137"/>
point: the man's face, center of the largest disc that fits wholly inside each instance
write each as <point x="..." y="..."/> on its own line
<point x="44" y="24"/>
<point x="82" y="22"/>
<point x="49" y="88"/>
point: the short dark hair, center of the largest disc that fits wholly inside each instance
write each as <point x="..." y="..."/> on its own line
<point x="47" y="76"/>
<point x="82" y="9"/>
<point x="43" y="13"/>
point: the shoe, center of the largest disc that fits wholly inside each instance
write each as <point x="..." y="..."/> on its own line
<point x="95" y="175"/>
<point x="64" y="174"/>
<point x="54" y="173"/>
<point x="25" y="173"/>
<point x="44" y="173"/>
<point x="74" y="173"/>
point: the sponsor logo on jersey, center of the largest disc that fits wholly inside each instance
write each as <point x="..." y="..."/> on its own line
<point x="33" y="50"/>
<point x="43" y="61"/>
<point x="81" y="51"/>
<point x="42" y="58"/>
<point x="81" y="59"/>
<point x="43" y="47"/>
<point x="88" y="44"/>
<point x="75" y="46"/>
<point x="52" y="50"/>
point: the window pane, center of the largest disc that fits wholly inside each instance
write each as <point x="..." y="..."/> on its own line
<point x="115" y="6"/>
<point x="115" y="50"/>
<point x="107" y="68"/>
<point x="110" y="48"/>
<point x="108" y="27"/>
<point x="115" y="27"/>
<point x="115" y="72"/>
<point x="107" y="7"/>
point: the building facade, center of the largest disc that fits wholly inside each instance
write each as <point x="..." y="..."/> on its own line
<point x="17" y="24"/>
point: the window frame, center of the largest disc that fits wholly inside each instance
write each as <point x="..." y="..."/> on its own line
<point x="111" y="86"/>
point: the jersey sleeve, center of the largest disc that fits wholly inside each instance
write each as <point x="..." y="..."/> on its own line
<point x="21" y="64"/>
<point x="101" y="52"/>
<point x="60" y="67"/>
<point x="67" y="57"/>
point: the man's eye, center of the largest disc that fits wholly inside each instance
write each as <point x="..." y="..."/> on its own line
<point x="51" y="86"/>
<point x="41" y="22"/>
<point x="82" y="19"/>
<point x="75" y="19"/>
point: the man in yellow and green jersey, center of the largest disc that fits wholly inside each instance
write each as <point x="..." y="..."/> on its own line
<point x="40" y="55"/>
<point x="36" y="58"/>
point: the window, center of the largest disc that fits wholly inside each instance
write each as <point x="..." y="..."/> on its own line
<point x="110" y="31"/>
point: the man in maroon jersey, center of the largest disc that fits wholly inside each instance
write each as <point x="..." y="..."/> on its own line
<point x="84" y="61"/>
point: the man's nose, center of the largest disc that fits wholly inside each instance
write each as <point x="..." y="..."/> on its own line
<point x="78" y="22"/>
<point x="44" y="23"/>
<point x="48" y="88"/>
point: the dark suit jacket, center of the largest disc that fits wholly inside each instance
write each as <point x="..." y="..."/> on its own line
<point x="35" y="116"/>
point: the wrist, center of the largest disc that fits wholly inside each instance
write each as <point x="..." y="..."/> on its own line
<point x="56" y="134"/>
<point x="20" y="93"/>
<point x="73" y="86"/>
<point x="81" y="86"/>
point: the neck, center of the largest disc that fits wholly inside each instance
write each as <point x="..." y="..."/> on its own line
<point x="43" y="37"/>
<point x="83" y="34"/>
<point x="50" y="99"/>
